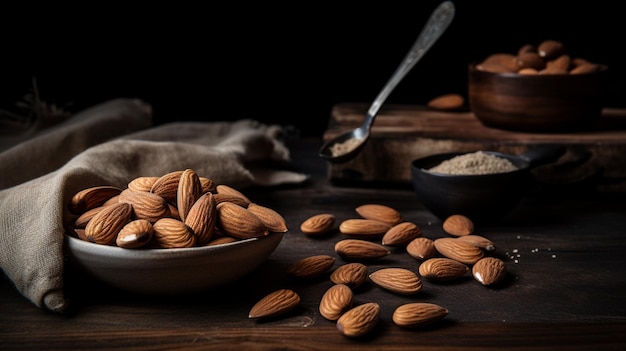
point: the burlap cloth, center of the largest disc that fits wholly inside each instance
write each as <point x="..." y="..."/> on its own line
<point x="112" y="143"/>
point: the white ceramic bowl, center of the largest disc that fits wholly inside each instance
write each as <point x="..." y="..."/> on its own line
<point x="172" y="271"/>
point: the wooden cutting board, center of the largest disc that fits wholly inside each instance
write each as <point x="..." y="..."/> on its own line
<point x="402" y="133"/>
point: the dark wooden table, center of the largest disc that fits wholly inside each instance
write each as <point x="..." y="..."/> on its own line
<point x="565" y="252"/>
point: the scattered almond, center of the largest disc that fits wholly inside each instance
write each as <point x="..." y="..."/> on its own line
<point x="357" y="249"/>
<point x="359" y="320"/>
<point x="381" y="213"/>
<point x="489" y="270"/>
<point x="401" y="234"/>
<point x="421" y="248"/>
<point x="363" y="227"/>
<point x="458" y="250"/>
<point x="398" y="280"/>
<point x="318" y="224"/>
<point x="458" y="225"/>
<point x="478" y="241"/>
<point x="335" y="301"/>
<point x="311" y="266"/>
<point x="351" y="274"/>
<point x="274" y="304"/>
<point x="447" y="102"/>
<point x="442" y="269"/>
<point x="418" y="314"/>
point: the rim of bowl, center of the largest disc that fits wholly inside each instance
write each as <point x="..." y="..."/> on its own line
<point x="83" y="245"/>
<point x="472" y="69"/>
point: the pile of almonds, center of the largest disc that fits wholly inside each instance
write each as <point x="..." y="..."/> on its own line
<point x="549" y="57"/>
<point x="179" y="209"/>
<point x="368" y="238"/>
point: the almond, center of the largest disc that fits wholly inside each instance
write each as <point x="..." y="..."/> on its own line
<point x="92" y="197"/>
<point x="442" y="269"/>
<point x="500" y="63"/>
<point x="312" y="266"/>
<point x="238" y="222"/>
<point x="382" y="213"/>
<point x="106" y="224"/>
<point x="318" y="224"/>
<point x="401" y="234"/>
<point x="272" y="219"/>
<point x="142" y="183"/>
<point x="458" y="250"/>
<point x="530" y="60"/>
<point x="550" y="49"/>
<point x="167" y="186"/>
<point x="398" y="280"/>
<point x="478" y="241"/>
<point x="351" y="274"/>
<point x="357" y="249"/>
<point x="458" y="225"/>
<point x="559" y="65"/>
<point x="189" y="190"/>
<point x="221" y="240"/>
<point x="202" y="218"/>
<point x="359" y="320"/>
<point x="83" y="219"/>
<point x="585" y="68"/>
<point x="171" y="233"/>
<point x="208" y="185"/>
<point x="447" y="102"/>
<point x="336" y="301"/>
<point x="135" y="234"/>
<point x="274" y="304"/>
<point x="145" y="205"/>
<point x="421" y="248"/>
<point x="418" y="314"/>
<point x="489" y="271"/>
<point x="363" y="228"/>
<point x="219" y="198"/>
<point x="229" y="190"/>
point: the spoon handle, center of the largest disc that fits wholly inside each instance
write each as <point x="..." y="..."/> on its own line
<point x="438" y="22"/>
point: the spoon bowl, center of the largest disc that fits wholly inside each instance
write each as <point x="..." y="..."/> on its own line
<point x="345" y="146"/>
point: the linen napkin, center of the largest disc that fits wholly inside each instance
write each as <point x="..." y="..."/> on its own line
<point x="111" y="144"/>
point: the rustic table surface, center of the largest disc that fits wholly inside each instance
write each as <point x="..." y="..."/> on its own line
<point x="566" y="285"/>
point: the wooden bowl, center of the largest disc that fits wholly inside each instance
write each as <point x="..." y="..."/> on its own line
<point x="545" y="103"/>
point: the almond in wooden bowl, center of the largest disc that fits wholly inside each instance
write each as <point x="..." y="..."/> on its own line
<point x="544" y="91"/>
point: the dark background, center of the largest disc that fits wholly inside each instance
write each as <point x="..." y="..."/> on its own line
<point x="287" y="63"/>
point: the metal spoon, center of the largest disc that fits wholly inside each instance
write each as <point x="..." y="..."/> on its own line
<point x="349" y="144"/>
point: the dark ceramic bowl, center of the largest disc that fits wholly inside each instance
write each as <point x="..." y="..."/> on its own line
<point x="545" y="103"/>
<point x="482" y="198"/>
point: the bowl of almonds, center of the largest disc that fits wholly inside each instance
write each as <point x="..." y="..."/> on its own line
<point x="174" y="233"/>
<point x="540" y="88"/>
